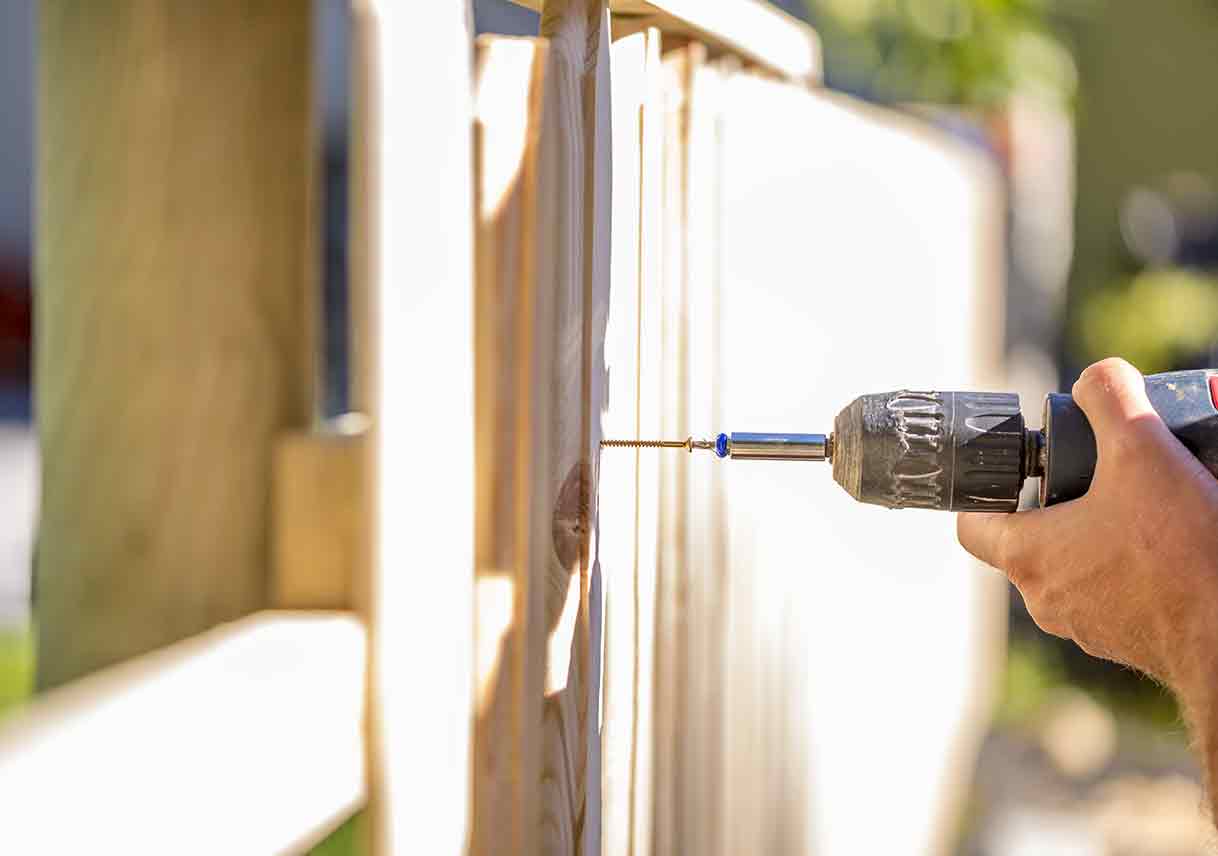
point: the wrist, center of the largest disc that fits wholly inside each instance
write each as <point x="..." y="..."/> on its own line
<point x="1193" y="672"/>
<point x="1195" y="685"/>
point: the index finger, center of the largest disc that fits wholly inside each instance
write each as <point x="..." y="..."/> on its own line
<point x="985" y="536"/>
<point x="1005" y="541"/>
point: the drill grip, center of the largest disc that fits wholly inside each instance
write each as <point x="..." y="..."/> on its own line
<point x="1184" y="400"/>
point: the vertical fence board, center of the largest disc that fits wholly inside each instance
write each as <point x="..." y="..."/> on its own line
<point x="651" y="261"/>
<point x="706" y="564"/>
<point x="618" y="483"/>
<point x="670" y="713"/>
<point x="579" y="43"/>
<point x="515" y="146"/>
<point x="414" y="245"/>
<point x="629" y="486"/>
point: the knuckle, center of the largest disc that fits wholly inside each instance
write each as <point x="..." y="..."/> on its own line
<point x="1007" y="554"/>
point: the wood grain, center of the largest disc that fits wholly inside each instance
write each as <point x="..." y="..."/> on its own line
<point x="579" y="40"/>
<point x="175" y="271"/>
<point x="543" y="257"/>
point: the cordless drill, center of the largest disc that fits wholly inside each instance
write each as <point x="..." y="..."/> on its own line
<point x="969" y="451"/>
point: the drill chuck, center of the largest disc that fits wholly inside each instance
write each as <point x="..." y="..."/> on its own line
<point x="970" y="451"/>
<point x="953" y="451"/>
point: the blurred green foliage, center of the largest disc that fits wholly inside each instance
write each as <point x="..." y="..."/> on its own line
<point x="16" y="667"/>
<point x="952" y="52"/>
<point x="1033" y="671"/>
<point x="1156" y="320"/>
<point x="1037" y="665"/>
<point x="1145" y="131"/>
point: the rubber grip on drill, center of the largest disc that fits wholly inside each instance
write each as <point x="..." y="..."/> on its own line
<point x="1184" y="400"/>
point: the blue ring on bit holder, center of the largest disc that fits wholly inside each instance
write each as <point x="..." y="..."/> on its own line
<point x="721" y="445"/>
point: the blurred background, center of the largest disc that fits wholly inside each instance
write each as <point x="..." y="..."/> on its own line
<point x="1102" y="119"/>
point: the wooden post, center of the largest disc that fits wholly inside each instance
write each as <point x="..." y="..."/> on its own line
<point x="174" y="217"/>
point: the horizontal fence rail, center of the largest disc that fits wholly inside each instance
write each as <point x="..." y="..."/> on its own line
<point x="752" y="30"/>
<point x="244" y="739"/>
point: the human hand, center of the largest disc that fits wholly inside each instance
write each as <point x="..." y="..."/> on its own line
<point x="1129" y="571"/>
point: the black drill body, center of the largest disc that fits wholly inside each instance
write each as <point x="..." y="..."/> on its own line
<point x="970" y="451"/>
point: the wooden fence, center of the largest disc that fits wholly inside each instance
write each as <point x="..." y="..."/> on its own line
<point x="536" y="646"/>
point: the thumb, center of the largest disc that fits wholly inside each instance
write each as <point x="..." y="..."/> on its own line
<point x="1112" y="394"/>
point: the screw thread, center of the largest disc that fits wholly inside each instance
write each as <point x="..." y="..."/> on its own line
<point x="647" y="444"/>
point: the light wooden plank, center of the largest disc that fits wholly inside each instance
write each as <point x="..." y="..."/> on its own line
<point x="707" y="681"/>
<point x="245" y="739"/>
<point x="618" y="485"/>
<point x="412" y="146"/>
<point x="671" y="763"/>
<point x="753" y="30"/>
<point x="745" y="783"/>
<point x="543" y="266"/>
<point x="651" y="313"/>
<point x="629" y="486"/>
<point x="579" y="283"/>
<point x="175" y="286"/>
<point x="516" y="148"/>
